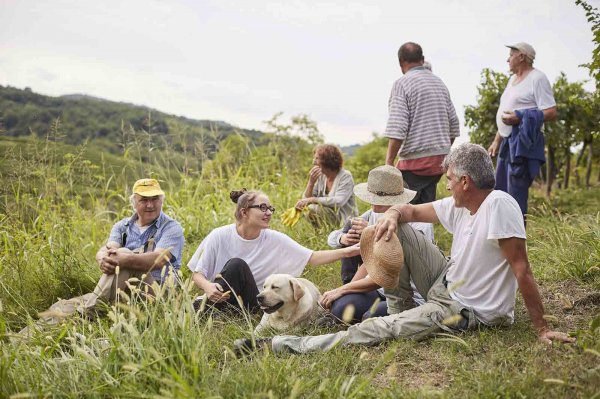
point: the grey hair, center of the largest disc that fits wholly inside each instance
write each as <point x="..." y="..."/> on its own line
<point x="132" y="200"/>
<point x="471" y="160"/>
<point x="528" y="60"/>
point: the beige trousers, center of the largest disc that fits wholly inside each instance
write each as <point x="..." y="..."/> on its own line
<point x="106" y="292"/>
<point x="427" y="266"/>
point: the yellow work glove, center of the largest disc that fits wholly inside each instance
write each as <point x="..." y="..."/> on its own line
<point x="291" y="216"/>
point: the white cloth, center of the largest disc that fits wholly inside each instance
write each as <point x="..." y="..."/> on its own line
<point x="272" y="252"/>
<point x="341" y="195"/>
<point x="488" y="284"/>
<point x="534" y="91"/>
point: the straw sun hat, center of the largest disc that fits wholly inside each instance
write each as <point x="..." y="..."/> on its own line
<point x="384" y="186"/>
<point x="382" y="259"/>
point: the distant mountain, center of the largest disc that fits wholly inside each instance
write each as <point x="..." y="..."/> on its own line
<point x="82" y="118"/>
<point x="350" y="149"/>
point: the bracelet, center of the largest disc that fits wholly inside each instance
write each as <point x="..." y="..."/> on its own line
<point x="397" y="210"/>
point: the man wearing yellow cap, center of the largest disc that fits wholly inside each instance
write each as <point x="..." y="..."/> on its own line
<point x="148" y="246"/>
<point x="144" y="243"/>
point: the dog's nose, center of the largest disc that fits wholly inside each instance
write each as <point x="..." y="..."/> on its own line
<point x="260" y="298"/>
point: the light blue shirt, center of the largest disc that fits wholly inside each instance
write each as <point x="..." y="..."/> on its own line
<point x="167" y="233"/>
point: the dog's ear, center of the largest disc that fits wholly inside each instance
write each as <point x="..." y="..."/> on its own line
<point x="296" y="289"/>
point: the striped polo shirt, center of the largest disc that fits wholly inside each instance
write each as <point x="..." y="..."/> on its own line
<point x="422" y="115"/>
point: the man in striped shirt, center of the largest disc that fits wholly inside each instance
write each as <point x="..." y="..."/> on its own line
<point x="422" y="124"/>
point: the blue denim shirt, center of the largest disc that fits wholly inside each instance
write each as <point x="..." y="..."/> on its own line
<point x="524" y="148"/>
<point x="166" y="232"/>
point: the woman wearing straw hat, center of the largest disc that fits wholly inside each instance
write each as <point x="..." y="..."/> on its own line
<point x="384" y="188"/>
<point x="328" y="194"/>
<point x="237" y="258"/>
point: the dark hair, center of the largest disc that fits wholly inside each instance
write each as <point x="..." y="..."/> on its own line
<point x="235" y="195"/>
<point x="410" y="52"/>
<point x="330" y="156"/>
<point x="243" y="198"/>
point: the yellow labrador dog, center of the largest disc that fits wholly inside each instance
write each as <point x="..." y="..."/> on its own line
<point x="287" y="302"/>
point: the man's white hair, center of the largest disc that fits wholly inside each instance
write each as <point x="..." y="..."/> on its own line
<point x="132" y="200"/>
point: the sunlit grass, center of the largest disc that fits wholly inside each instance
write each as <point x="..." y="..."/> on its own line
<point x="56" y="209"/>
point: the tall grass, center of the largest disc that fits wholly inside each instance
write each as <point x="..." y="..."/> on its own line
<point x="57" y="208"/>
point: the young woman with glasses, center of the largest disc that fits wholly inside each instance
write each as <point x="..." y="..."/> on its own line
<point x="237" y="258"/>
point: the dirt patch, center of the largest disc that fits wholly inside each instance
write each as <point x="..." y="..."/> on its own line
<point x="416" y="367"/>
<point x="572" y="303"/>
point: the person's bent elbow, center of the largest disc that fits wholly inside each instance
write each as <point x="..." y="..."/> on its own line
<point x="550" y="114"/>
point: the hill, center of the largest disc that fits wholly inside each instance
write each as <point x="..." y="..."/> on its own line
<point x="84" y="118"/>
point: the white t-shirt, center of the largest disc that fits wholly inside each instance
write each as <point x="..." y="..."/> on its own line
<point x="272" y="252"/>
<point x="534" y="91"/>
<point x="488" y="284"/>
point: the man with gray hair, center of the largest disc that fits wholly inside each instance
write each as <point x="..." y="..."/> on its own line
<point x="422" y="123"/>
<point x="527" y="102"/>
<point x="476" y="287"/>
<point x="146" y="246"/>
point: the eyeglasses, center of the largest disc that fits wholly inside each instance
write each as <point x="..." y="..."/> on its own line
<point x="263" y="207"/>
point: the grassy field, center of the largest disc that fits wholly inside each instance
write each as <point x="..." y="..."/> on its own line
<point x="57" y="204"/>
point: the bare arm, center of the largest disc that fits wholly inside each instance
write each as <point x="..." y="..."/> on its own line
<point x="495" y="146"/>
<point x="213" y="291"/>
<point x="515" y="252"/>
<point x="550" y="114"/>
<point x="323" y="257"/>
<point x="103" y="252"/>
<point x="392" y="151"/>
<point x="360" y="283"/>
<point x="142" y="262"/>
<point x="405" y="213"/>
<point x="313" y="175"/>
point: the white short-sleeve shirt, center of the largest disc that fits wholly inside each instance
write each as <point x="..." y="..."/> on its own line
<point x="534" y="91"/>
<point x="485" y="280"/>
<point x="272" y="252"/>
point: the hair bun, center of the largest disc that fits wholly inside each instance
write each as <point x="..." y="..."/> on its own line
<point x="235" y="195"/>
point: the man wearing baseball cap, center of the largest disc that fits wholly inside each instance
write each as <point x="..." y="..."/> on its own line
<point x="155" y="239"/>
<point x="146" y="246"/>
<point x="527" y="102"/>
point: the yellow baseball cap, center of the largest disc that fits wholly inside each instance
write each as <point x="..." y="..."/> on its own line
<point x="147" y="188"/>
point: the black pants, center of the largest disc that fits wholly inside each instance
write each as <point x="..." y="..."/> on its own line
<point x="237" y="277"/>
<point x="362" y="302"/>
<point x="425" y="186"/>
<point x="349" y="268"/>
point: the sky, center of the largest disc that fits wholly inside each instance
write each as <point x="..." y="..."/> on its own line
<point x="243" y="61"/>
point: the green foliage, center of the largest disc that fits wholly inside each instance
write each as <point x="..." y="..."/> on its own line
<point x="300" y="126"/>
<point x="567" y="129"/>
<point x="58" y="203"/>
<point x="85" y="118"/>
<point x="367" y="157"/>
<point x="594" y="18"/>
<point x="480" y="119"/>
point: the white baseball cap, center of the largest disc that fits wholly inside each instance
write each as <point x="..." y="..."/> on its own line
<point x="524" y="48"/>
